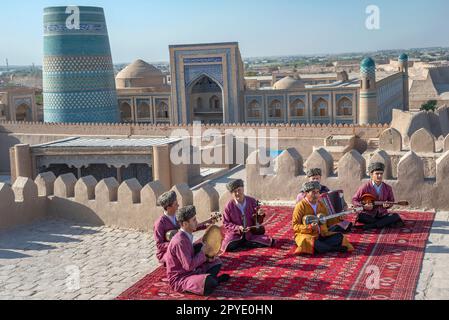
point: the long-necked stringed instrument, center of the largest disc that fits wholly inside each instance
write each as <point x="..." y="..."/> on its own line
<point x="214" y="218"/>
<point x="323" y="219"/>
<point x="258" y="219"/>
<point x="368" y="199"/>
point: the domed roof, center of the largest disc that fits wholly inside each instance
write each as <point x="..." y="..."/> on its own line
<point x="139" y="69"/>
<point x="289" y="83"/>
<point x="403" y="57"/>
<point x="368" y="68"/>
<point x="368" y="63"/>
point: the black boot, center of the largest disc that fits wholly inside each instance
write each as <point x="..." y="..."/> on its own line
<point x="369" y="227"/>
<point x="399" y="224"/>
<point x="223" y="278"/>
<point x="341" y="249"/>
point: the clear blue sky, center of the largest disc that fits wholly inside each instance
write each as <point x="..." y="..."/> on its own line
<point x="144" y="29"/>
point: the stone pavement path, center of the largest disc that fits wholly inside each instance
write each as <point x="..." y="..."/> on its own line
<point x="434" y="279"/>
<point x="60" y="259"/>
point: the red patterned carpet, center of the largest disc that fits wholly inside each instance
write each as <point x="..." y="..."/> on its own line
<point x="276" y="273"/>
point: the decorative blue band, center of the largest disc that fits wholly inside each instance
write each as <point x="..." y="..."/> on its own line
<point x="203" y="60"/>
<point x="83" y="28"/>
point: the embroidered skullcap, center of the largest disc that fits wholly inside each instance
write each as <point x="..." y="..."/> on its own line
<point x="167" y="199"/>
<point x="376" y="166"/>
<point x="235" y="184"/>
<point x="185" y="214"/>
<point x="311" y="185"/>
<point x="314" y="172"/>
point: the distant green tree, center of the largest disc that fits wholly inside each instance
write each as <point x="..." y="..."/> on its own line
<point x="430" y="105"/>
<point x="250" y="73"/>
<point x="39" y="99"/>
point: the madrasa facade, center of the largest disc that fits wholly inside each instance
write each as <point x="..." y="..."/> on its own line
<point x="207" y="84"/>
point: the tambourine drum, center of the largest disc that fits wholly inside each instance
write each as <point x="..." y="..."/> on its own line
<point x="213" y="239"/>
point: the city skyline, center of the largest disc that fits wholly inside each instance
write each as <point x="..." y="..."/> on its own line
<point x="262" y="29"/>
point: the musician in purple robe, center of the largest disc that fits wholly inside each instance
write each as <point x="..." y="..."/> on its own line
<point x="188" y="271"/>
<point x="238" y="221"/>
<point x="377" y="217"/>
<point x="165" y="223"/>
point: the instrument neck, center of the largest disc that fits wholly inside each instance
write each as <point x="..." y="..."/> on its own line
<point x="338" y="215"/>
<point x="381" y="203"/>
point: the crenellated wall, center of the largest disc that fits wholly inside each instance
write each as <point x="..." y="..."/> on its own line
<point x="131" y="206"/>
<point x="127" y="205"/>
<point x="302" y="137"/>
<point x="410" y="183"/>
<point x="127" y="129"/>
<point x="407" y="123"/>
<point x="21" y="203"/>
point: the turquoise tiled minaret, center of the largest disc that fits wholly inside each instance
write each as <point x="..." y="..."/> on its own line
<point x="368" y="113"/>
<point x="78" y="74"/>
<point x="368" y="68"/>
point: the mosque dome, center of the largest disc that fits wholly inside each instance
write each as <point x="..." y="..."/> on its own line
<point x="139" y="74"/>
<point x="289" y="83"/>
<point x="403" y="57"/>
<point x="368" y="67"/>
<point x="368" y="63"/>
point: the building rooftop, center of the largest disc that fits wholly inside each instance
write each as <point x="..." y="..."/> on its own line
<point x="260" y="78"/>
<point x="289" y="83"/>
<point x="139" y="69"/>
<point x="76" y="142"/>
<point x="204" y="44"/>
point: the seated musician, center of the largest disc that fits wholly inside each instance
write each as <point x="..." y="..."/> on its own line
<point x="188" y="271"/>
<point x="315" y="238"/>
<point x="239" y="223"/>
<point x="340" y="225"/>
<point x="313" y="174"/>
<point x="165" y="223"/>
<point x="376" y="217"/>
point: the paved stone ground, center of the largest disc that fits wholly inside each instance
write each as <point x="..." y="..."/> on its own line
<point x="434" y="279"/>
<point x="43" y="261"/>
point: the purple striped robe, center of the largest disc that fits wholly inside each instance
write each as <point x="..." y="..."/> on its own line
<point x="232" y="220"/>
<point x="186" y="272"/>
<point x="161" y="227"/>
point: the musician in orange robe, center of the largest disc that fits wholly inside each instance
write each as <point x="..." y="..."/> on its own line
<point x="315" y="238"/>
<point x="377" y="217"/>
<point x="340" y="225"/>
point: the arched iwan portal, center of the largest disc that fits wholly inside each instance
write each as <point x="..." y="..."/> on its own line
<point x="126" y="112"/>
<point x="23" y="113"/>
<point x="206" y="101"/>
